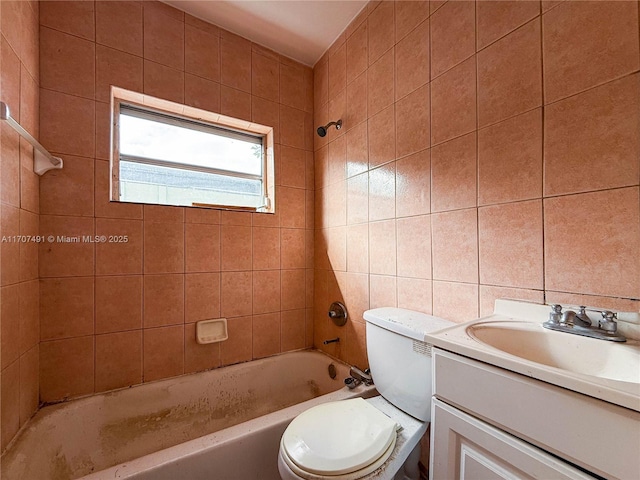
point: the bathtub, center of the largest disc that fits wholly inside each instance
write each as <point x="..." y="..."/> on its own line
<point x="221" y="424"/>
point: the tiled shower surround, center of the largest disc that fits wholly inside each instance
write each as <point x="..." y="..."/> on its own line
<point x="488" y="149"/>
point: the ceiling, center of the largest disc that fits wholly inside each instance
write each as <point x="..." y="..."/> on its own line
<point x="299" y="29"/>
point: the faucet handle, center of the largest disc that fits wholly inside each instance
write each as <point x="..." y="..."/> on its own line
<point x="555" y="316"/>
<point x="556" y="308"/>
<point x="608" y="322"/>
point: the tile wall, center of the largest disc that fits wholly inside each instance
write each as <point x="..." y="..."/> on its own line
<point x="489" y="149"/>
<point x="19" y="212"/>
<point x="113" y="315"/>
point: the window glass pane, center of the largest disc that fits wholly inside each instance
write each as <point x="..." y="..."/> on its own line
<point x="146" y="138"/>
<point x="176" y="186"/>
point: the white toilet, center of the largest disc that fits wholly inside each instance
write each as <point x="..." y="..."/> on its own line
<point x="379" y="436"/>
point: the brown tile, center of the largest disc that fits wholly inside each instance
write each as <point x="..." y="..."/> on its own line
<point x="489" y="295"/>
<point x="164" y="297"/>
<point x="457" y="302"/>
<point x="75" y="181"/>
<point x="382" y="247"/>
<point x="337" y="71"/>
<point x="10" y="87"/>
<point x="67" y="123"/>
<point x="10" y="164"/>
<point x="118" y="303"/>
<point x="337" y="160"/>
<point x="29" y="384"/>
<point x="292" y="207"/>
<point x="320" y="84"/>
<point x="202" y="53"/>
<point x="412" y="59"/>
<point x="357" y="56"/>
<point x="409" y="15"/>
<point x="497" y="18"/>
<point x="381" y="29"/>
<point x="382" y="138"/>
<point x="266" y="291"/>
<point x="381" y="83"/>
<point x="10" y="403"/>
<point x="453" y="174"/>
<point x="118" y="360"/>
<point x="292" y="334"/>
<point x="10" y="224"/>
<point x="510" y="160"/>
<point x="453" y="102"/>
<point x="239" y="346"/>
<point x="29" y="101"/>
<point x="236" y="294"/>
<point x="266" y="113"/>
<point x="229" y="217"/>
<point x="415" y="294"/>
<point x="163" y="247"/>
<point x="513" y="259"/>
<point x="510" y="75"/>
<point x="266" y="248"/>
<point x="66" y="368"/>
<point x="453" y="36"/>
<point x="593" y="264"/>
<point x="382" y="291"/>
<point x="382" y="192"/>
<point x="591" y="139"/>
<point x="356" y="348"/>
<point x="29" y="225"/>
<point x="202" y="247"/>
<point x="163" y="213"/>
<point x="455" y="246"/>
<point x="68" y="63"/>
<point x="293" y="289"/>
<point x="265" y="77"/>
<point x="207" y="216"/>
<point x="105" y="208"/>
<point x="412" y="184"/>
<point x="202" y="296"/>
<point x="76" y="18"/>
<point x="577" y="57"/>
<point x="292" y="167"/>
<point x="236" y="247"/>
<point x="414" y="246"/>
<point x="115" y="68"/>
<point x="337" y="248"/>
<point x="199" y="357"/>
<point x="10" y="327"/>
<point x="165" y="9"/>
<point x="119" y="25"/>
<point x="358" y="248"/>
<point x="163" y="82"/>
<point x="29" y="330"/>
<point x="54" y="256"/>
<point x="235" y="103"/>
<point x="413" y="122"/>
<point x="357" y="295"/>
<point x="356" y="99"/>
<point x="266" y="335"/>
<point x="357" y="150"/>
<point x="235" y="62"/>
<point x="163" y="352"/>
<point x="163" y="39"/>
<point x="66" y="307"/>
<point x="121" y="253"/>
<point x="201" y="24"/>
<point x="611" y="303"/>
<point x="358" y="198"/>
<point x="292" y="86"/>
<point x="292" y="127"/>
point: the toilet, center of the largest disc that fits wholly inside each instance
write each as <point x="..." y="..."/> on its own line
<point x="377" y="437"/>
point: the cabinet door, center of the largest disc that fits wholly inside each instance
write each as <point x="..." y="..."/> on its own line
<point x="465" y="448"/>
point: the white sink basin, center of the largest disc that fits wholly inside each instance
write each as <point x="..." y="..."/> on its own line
<point x="514" y="339"/>
<point x="574" y="353"/>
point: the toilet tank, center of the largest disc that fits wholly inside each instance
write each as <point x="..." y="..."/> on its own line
<point x="399" y="357"/>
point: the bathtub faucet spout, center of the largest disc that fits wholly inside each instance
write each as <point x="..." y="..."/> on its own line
<point x="333" y="340"/>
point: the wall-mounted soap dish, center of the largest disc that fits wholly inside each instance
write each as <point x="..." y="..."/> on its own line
<point x="211" y="331"/>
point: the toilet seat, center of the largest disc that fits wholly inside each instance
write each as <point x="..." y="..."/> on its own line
<point x="345" y="440"/>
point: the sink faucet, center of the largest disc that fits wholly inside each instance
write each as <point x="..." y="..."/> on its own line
<point x="580" y="323"/>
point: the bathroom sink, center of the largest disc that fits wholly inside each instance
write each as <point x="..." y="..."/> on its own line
<point x="573" y="353"/>
<point x="514" y="339"/>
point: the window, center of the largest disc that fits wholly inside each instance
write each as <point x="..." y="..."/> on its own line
<point x="169" y="154"/>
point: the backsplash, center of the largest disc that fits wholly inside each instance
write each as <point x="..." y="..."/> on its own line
<point x="488" y="150"/>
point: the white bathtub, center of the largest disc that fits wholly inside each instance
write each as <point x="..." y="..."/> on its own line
<point x="222" y="424"/>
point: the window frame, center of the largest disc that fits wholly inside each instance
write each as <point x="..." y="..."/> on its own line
<point x="147" y="106"/>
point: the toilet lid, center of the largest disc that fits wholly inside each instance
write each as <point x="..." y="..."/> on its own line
<point x="336" y="438"/>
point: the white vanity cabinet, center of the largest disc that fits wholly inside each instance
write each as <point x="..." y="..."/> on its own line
<point x="491" y="423"/>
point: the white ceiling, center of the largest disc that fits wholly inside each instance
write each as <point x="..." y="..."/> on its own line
<point x="299" y="29"/>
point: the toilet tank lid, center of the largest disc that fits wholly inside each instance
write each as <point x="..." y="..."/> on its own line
<point x="405" y="322"/>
